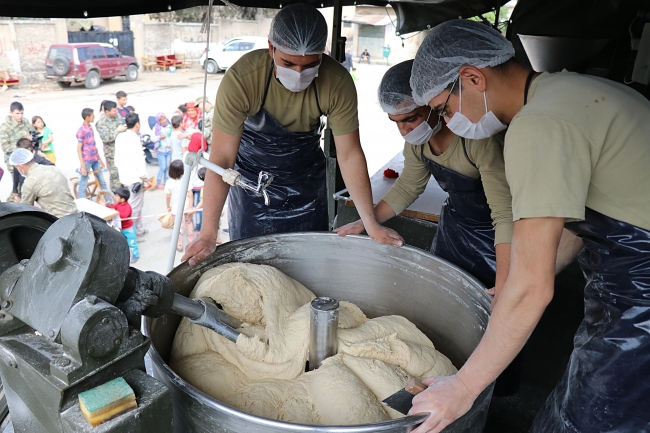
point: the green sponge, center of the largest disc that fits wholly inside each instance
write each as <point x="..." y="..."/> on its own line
<point x="107" y="401"/>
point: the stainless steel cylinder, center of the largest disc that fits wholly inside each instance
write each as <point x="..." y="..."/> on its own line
<point x="323" y="330"/>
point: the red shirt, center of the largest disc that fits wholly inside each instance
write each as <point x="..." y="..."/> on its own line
<point x="125" y="212"/>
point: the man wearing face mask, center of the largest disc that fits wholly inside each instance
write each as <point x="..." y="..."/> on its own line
<point x="576" y="155"/>
<point x="475" y="224"/>
<point x="267" y="117"/>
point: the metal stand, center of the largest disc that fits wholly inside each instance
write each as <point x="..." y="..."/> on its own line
<point x="323" y="330"/>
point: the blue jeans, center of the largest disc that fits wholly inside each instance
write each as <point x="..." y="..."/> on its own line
<point x="198" y="216"/>
<point x="164" y="159"/>
<point x="132" y="240"/>
<point x="83" y="181"/>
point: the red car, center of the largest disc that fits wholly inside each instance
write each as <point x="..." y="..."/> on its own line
<point x="89" y="63"/>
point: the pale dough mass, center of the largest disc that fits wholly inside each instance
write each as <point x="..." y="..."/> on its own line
<point x="376" y="356"/>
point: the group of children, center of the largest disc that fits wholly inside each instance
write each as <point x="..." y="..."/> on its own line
<point x="173" y="138"/>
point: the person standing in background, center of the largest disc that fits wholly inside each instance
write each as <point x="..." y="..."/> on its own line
<point x="129" y="159"/>
<point x="191" y="117"/>
<point x="162" y="132"/>
<point x="122" y="109"/>
<point x="87" y="153"/>
<point x="13" y="129"/>
<point x="128" y="231"/>
<point x="207" y="119"/>
<point x="108" y="127"/>
<point x="47" y="138"/>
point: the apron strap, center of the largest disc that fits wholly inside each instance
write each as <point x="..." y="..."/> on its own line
<point x="529" y="79"/>
<point x="462" y="140"/>
<point x="268" y="82"/>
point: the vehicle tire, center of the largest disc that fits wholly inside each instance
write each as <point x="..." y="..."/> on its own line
<point x="211" y="66"/>
<point x="107" y="196"/>
<point x="131" y="73"/>
<point x="64" y="84"/>
<point x="61" y="66"/>
<point x="92" y="80"/>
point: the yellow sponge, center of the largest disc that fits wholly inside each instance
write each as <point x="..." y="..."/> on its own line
<point x="107" y="401"/>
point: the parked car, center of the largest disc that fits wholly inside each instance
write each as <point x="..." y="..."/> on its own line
<point x="88" y="63"/>
<point x="225" y="55"/>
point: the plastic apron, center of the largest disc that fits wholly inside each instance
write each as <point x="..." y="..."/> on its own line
<point x="465" y="234"/>
<point x="606" y="386"/>
<point x="298" y="192"/>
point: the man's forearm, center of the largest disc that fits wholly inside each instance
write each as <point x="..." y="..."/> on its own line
<point x="354" y="170"/>
<point x="383" y="212"/>
<point x="525" y="295"/>
<point x="215" y="192"/>
<point x="503" y="266"/>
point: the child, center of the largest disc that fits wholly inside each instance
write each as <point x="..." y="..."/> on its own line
<point x="162" y="132"/>
<point x="191" y="117"/>
<point x="87" y="153"/>
<point x="173" y="190"/>
<point x="178" y="140"/>
<point x="121" y="104"/>
<point x="47" y="140"/>
<point x="128" y="230"/>
<point x="131" y="109"/>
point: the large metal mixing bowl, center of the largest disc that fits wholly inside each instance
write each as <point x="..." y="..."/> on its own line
<point x="446" y="303"/>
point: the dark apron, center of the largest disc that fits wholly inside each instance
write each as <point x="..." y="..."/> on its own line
<point x="465" y="234"/>
<point x="606" y="386"/>
<point x="298" y="195"/>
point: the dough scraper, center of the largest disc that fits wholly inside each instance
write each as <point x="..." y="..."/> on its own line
<point x="402" y="400"/>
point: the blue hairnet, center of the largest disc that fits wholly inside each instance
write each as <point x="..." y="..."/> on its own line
<point x="299" y="30"/>
<point x="450" y="46"/>
<point x="394" y="93"/>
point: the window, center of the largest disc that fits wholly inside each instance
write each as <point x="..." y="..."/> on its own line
<point x="234" y="46"/>
<point x="60" y="52"/>
<point x="246" y="46"/>
<point x="98" y="53"/>
<point x="347" y="24"/>
<point x="84" y="54"/>
<point x="111" y="53"/>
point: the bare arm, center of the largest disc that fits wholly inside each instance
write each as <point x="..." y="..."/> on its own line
<point x="383" y="212"/>
<point x="503" y="266"/>
<point x="567" y="251"/>
<point x="82" y="166"/>
<point x="215" y="191"/>
<point x="355" y="174"/>
<point x="523" y="299"/>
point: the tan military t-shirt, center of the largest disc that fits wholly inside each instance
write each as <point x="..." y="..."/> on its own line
<point x="46" y="185"/>
<point x="487" y="155"/>
<point x="581" y="141"/>
<point x="241" y="92"/>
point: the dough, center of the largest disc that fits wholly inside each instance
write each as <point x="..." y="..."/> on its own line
<point x="264" y="372"/>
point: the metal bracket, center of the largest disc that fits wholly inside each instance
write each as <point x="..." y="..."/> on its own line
<point x="263" y="181"/>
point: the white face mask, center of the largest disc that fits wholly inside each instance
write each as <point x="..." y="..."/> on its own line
<point x="294" y="80"/>
<point x="423" y="132"/>
<point x="462" y="126"/>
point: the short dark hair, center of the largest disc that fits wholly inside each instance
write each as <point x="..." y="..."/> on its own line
<point x="183" y="108"/>
<point x="109" y="105"/>
<point x="176" y="169"/>
<point x="35" y="118"/>
<point x="86" y="112"/>
<point x="16" y="106"/>
<point x="24" y="143"/>
<point x="102" y="106"/>
<point x="177" y="120"/>
<point x="120" y="94"/>
<point x="201" y="173"/>
<point x="123" y="192"/>
<point x="130" y="108"/>
<point x="131" y="120"/>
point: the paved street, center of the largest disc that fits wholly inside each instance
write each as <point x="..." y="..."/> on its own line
<point x="163" y="91"/>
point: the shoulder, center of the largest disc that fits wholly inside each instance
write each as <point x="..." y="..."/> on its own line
<point x="333" y="72"/>
<point x="251" y="64"/>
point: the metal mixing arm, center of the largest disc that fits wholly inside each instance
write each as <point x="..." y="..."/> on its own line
<point x="205" y="313"/>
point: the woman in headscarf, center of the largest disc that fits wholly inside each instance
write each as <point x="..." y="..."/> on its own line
<point x="191" y="117"/>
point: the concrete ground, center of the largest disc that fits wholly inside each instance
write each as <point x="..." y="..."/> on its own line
<point x="164" y="91"/>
